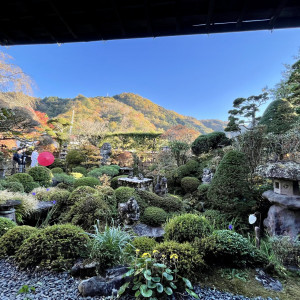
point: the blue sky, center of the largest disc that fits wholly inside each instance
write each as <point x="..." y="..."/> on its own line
<point x="198" y="76"/>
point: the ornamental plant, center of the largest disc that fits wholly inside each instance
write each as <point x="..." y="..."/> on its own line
<point x="155" y="279"/>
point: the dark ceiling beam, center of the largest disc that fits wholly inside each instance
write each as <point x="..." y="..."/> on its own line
<point x="147" y="9"/>
<point x="211" y="6"/>
<point x="63" y="20"/>
<point x="178" y="18"/>
<point x="115" y="7"/>
<point x="276" y="14"/>
<point x="242" y="14"/>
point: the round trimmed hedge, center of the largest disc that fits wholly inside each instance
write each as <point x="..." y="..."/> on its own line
<point x="108" y="194"/>
<point x="114" y="182"/>
<point x="86" y="181"/>
<point x="80" y="193"/>
<point x="25" y="179"/>
<point x="154" y="216"/>
<point x="14" y="187"/>
<point x="108" y="170"/>
<point x="88" y="210"/>
<point x="57" y="170"/>
<point x="5" y="225"/>
<point x="81" y="170"/>
<point x="186" y="228"/>
<point x="189" y="262"/>
<point x="12" y="240"/>
<point x="123" y="193"/>
<point x="190" y="184"/>
<point x="41" y="174"/>
<point x="226" y="247"/>
<point x="55" y="247"/>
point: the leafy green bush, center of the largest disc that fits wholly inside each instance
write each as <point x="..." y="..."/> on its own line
<point x="88" y="210"/>
<point x="12" y="240"/>
<point x="75" y="158"/>
<point x="41" y="174"/>
<point x="80" y="193"/>
<point x="123" y="193"/>
<point x="108" y="195"/>
<point x="55" y="247"/>
<point x="114" y="181"/>
<point x="25" y="179"/>
<point x="60" y="197"/>
<point x="208" y="142"/>
<point x="64" y="178"/>
<point x="144" y="244"/>
<point x="229" y="190"/>
<point x="167" y="203"/>
<point x="86" y="181"/>
<point x="191" y="168"/>
<point x="81" y="170"/>
<point x="5" y="225"/>
<point x="189" y="262"/>
<point x="14" y="187"/>
<point x="154" y="216"/>
<point x="187" y="227"/>
<point x="190" y="184"/>
<point x="59" y="163"/>
<point x="225" y="247"/>
<point x="108" y="170"/>
<point x="216" y="219"/>
<point x="57" y="170"/>
<point x="109" y="247"/>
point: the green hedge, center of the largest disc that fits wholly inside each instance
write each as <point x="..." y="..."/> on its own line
<point x="186" y="228"/>
<point x="108" y="170"/>
<point x="25" y="179"/>
<point x="190" y="184"/>
<point x="86" y="181"/>
<point x="55" y="247"/>
<point x="81" y="170"/>
<point x="57" y="170"/>
<point x="5" y="225"/>
<point x="123" y="193"/>
<point x="12" y="240"/>
<point x="41" y="175"/>
<point x="154" y="216"/>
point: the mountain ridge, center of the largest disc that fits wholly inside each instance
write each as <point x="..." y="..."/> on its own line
<point x="124" y="112"/>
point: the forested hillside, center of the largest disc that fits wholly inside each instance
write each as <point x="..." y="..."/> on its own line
<point x="124" y="112"/>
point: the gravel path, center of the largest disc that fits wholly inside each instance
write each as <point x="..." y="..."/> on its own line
<point x="61" y="286"/>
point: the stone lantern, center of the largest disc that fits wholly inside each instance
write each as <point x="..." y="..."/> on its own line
<point x="284" y="214"/>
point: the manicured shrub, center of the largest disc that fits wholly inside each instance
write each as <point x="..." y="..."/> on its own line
<point x="14" y="187"/>
<point x="189" y="169"/>
<point x="144" y="244"/>
<point x="23" y="178"/>
<point x="57" y="170"/>
<point x="41" y="174"/>
<point x="55" y="247"/>
<point x="226" y="247"/>
<point x="108" y="170"/>
<point x="76" y="175"/>
<point x="88" y="210"/>
<point x="229" y="190"/>
<point x="123" y="193"/>
<point x="80" y="193"/>
<point x="108" y="195"/>
<point x="189" y="262"/>
<point x="86" y="181"/>
<point x="12" y="240"/>
<point x="31" y="186"/>
<point x="64" y="178"/>
<point x="114" y="182"/>
<point x="60" y="197"/>
<point x="81" y="170"/>
<point x="216" y="219"/>
<point x="208" y="142"/>
<point x="154" y="216"/>
<point x="190" y="184"/>
<point x="5" y="225"/>
<point x="187" y="227"/>
<point x="167" y="203"/>
<point x="59" y="163"/>
<point x="75" y="158"/>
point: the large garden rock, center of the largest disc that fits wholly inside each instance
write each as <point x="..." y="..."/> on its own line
<point x="267" y="281"/>
<point x="84" y="270"/>
<point x="104" y="286"/>
<point x="145" y="230"/>
<point x="283" y="221"/>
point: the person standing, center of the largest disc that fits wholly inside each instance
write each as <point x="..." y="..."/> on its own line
<point x="34" y="157"/>
<point x="17" y="160"/>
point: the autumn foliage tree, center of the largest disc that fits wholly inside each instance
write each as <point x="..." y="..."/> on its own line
<point x="180" y="133"/>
